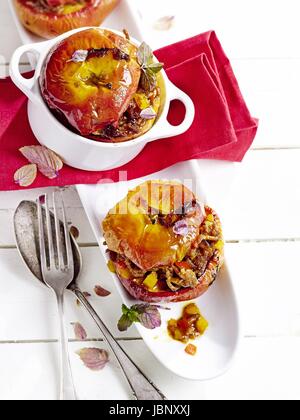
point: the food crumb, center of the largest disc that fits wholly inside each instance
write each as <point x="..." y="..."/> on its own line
<point x="191" y="349"/>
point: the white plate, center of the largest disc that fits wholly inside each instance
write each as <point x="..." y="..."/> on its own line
<point x="216" y="349"/>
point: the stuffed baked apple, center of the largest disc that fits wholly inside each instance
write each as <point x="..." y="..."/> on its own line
<point x="163" y="244"/>
<point x="50" y="18"/>
<point x="96" y="82"/>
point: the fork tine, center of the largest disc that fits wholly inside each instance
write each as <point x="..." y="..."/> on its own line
<point x="50" y="236"/>
<point x="61" y="263"/>
<point x="41" y="236"/>
<point x="70" y="260"/>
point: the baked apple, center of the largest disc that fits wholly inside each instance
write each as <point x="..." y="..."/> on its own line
<point x="163" y="244"/>
<point x="95" y="81"/>
<point x="50" y="18"/>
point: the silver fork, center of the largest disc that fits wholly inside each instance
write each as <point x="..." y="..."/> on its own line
<point x="58" y="272"/>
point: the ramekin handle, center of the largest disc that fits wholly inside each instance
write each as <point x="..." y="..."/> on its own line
<point x="166" y="129"/>
<point x="25" y="85"/>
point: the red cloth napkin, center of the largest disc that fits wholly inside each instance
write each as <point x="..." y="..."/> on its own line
<point x="223" y="128"/>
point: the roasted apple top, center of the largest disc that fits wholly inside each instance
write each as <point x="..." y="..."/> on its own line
<point x="155" y="225"/>
<point x="91" y="78"/>
<point x="50" y="18"/>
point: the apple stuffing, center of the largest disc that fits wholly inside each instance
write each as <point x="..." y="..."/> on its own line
<point x="50" y="18"/>
<point x="103" y="87"/>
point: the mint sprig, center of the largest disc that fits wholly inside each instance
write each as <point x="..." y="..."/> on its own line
<point x="149" y="68"/>
<point x="147" y="315"/>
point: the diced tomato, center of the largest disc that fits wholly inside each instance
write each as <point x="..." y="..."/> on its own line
<point x="183" y="325"/>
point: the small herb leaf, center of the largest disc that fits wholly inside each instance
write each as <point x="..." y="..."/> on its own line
<point x="124" y="323"/>
<point x="93" y="358"/>
<point x="144" y="55"/>
<point x="79" y="331"/>
<point x="148" y="114"/>
<point x="148" y="315"/>
<point x="155" y="67"/>
<point x="148" y="80"/>
<point x="79" y="56"/>
<point x="181" y="228"/>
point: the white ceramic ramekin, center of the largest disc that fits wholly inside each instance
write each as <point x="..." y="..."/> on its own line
<point x="74" y="149"/>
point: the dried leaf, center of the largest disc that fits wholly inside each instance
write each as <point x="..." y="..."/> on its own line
<point x="79" y="331"/>
<point x="101" y="292"/>
<point x="48" y="163"/>
<point x="93" y="358"/>
<point x="74" y="232"/>
<point x="79" y="56"/>
<point x="26" y="175"/>
<point x="181" y="228"/>
<point x="165" y="23"/>
<point x="148" y="114"/>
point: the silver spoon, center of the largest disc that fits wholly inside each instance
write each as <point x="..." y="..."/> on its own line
<point x="27" y="240"/>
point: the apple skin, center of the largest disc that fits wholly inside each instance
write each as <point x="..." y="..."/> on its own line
<point x="49" y="23"/>
<point x="66" y="86"/>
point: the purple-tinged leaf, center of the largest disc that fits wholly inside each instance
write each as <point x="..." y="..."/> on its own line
<point x="181" y="228"/>
<point x="74" y="232"/>
<point x="26" y="175"/>
<point x="165" y="23"/>
<point x="148" y="315"/>
<point x="93" y="358"/>
<point x="80" y="56"/>
<point x="101" y="292"/>
<point x="79" y="331"/>
<point x="148" y="114"/>
<point x="48" y="163"/>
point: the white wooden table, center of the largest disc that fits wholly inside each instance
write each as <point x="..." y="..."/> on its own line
<point x="262" y="230"/>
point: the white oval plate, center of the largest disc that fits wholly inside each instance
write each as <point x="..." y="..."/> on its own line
<point x="217" y="348"/>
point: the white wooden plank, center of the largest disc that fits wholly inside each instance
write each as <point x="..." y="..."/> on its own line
<point x="265" y="369"/>
<point x="11" y="199"/>
<point x="265" y="198"/>
<point x="267" y="293"/>
<point x="31" y="372"/>
<point x="263" y="20"/>
<point x="247" y="29"/>
<point x="28" y="310"/>
<point x="267" y="287"/>
<point x="76" y="217"/>
<point x="271" y="89"/>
